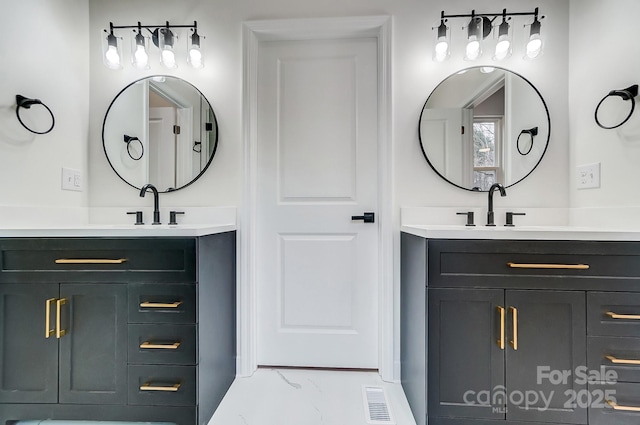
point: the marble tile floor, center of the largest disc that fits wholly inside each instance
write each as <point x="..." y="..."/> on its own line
<point x="306" y="397"/>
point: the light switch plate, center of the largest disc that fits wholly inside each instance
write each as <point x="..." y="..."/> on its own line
<point x="71" y="179"/>
<point x="589" y="176"/>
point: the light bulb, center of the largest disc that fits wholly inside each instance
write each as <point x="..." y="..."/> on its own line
<point x="112" y="56"/>
<point x="502" y="49"/>
<point x="534" y="47"/>
<point x="472" y="50"/>
<point x="168" y="57"/>
<point x="442" y="50"/>
<point x="140" y="57"/>
<point x="195" y="57"/>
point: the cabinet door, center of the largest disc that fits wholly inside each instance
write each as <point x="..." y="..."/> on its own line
<point x="28" y="359"/>
<point x="466" y="362"/>
<point x="93" y="352"/>
<point x="542" y="382"/>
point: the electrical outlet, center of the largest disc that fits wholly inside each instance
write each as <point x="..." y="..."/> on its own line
<point x="589" y="176"/>
<point x="71" y="179"/>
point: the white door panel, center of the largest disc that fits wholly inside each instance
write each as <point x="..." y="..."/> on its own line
<point x="317" y="270"/>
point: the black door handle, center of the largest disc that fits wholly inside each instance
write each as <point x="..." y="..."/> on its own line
<point x="368" y="217"/>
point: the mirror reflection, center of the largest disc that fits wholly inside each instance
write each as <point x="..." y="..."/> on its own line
<point x="160" y="130"/>
<point x="484" y="125"/>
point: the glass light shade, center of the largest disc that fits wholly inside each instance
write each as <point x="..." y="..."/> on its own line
<point x="166" y="41"/>
<point x="473" y="50"/>
<point x="534" y="43"/>
<point x="112" y="53"/>
<point x="139" y="52"/>
<point x="503" y="44"/>
<point x="194" y="57"/>
<point x="442" y="50"/>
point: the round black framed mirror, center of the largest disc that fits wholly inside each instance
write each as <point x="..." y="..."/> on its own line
<point x="160" y="130"/>
<point x="470" y="125"/>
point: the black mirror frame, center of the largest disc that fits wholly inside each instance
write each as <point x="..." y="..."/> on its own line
<point x="215" y="127"/>
<point x="511" y="184"/>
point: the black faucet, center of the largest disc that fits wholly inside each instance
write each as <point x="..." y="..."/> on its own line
<point x="493" y="187"/>
<point x="156" y="210"/>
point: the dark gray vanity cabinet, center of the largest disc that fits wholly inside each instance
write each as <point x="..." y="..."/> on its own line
<point x="486" y="345"/>
<point x="84" y="365"/>
<point x="573" y="308"/>
<point x="116" y="329"/>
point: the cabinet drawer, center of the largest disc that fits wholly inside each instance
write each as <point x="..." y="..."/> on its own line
<point x="162" y="385"/>
<point x="613" y="314"/>
<point x="627" y="400"/>
<point x="621" y="355"/>
<point x="162" y="344"/>
<point x="90" y="260"/>
<point x="536" y="264"/>
<point x="162" y="303"/>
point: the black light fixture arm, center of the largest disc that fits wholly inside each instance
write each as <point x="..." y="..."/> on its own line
<point x="151" y="27"/>
<point x="492" y="14"/>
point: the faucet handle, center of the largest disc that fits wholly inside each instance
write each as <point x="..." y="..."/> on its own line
<point x="469" y="215"/>
<point x="510" y="215"/>
<point x="138" y="217"/>
<point x="172" y="216"/>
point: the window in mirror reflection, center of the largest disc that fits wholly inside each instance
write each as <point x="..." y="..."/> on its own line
<point x="487" y="141"/>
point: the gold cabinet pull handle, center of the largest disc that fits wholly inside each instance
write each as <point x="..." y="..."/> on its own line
<point x="48" y="332"/>
<point x="501" y="310"/>
<point x="548" y="266"/>
<point x="59" y="331"/>
<point x="147" y="386"/>
<point x="616" y="406"/>
<point x="623" y="316"/>
<point x="151" y="346"/>
<point x="615" y="360"/>
<point x="91" y="260"/>
<point x="514" y="315"/>
<point x="149" y="304"/>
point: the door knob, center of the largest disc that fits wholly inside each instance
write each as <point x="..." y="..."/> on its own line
<point x="368" y="217"/>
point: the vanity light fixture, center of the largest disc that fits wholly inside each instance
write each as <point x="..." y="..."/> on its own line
<point x="479" y="27"/>
<point x="441" y="51"/>
<point x="534" y="41"/>
<point x="162" y="37"/>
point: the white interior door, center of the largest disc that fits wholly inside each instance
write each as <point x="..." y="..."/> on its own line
<point x="317" y="269"/>
<point x="162" y="146"/>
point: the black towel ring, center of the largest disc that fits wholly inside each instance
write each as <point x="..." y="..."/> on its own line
<point x="532" y="132"/>
<point x="128" y="140"/>
<point x="26" y="103"/>
<point x="626" y="94"/>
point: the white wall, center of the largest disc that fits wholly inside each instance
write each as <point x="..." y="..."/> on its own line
<point x="415" y="76"/>
<point x="604" y="56"/>
<point x="44" y="52"/>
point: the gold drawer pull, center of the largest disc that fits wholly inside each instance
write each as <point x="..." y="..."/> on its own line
<point x="623" y="316"/>
<point x="616" y="406"/>
<point x="148" y="387"/>
<point x="48" y="332"/>
<point x="548" y="266"/>
<point x="514" y="315"/>
<point x="149" y="304"/>
<point x="90" y="261"/>
<point x="501" y="310"/>
<point x="150" y="345"/>
<point x="621" y="361"/>
<point x="59" y="331"/>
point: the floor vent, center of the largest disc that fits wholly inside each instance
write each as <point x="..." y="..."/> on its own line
<point x="376" y="406"/>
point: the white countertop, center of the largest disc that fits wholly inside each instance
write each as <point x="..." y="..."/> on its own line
<point x="521" y="232"/>
<point x="116" y="231"/>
